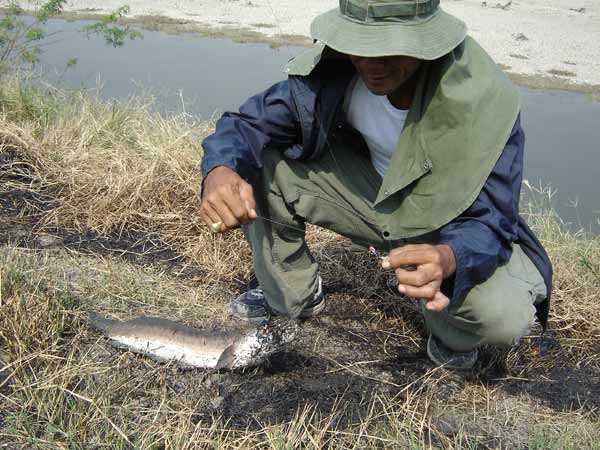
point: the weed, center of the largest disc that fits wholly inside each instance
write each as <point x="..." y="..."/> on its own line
<point x="359" y="380"/>
<point x="21" y="36"/>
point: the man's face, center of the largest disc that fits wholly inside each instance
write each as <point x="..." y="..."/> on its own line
<point x="384" y="75"/>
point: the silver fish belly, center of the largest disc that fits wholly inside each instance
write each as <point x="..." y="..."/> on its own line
<point x="165" y="340"/>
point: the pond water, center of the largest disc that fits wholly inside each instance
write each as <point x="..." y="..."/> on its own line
<point x="213" y="75"/>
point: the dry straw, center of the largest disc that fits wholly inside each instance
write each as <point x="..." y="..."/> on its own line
<point x="111" y="168"/>
<point x="72" y="162"/>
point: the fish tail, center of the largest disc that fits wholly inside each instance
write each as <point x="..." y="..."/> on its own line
<point x="100" y="323"/>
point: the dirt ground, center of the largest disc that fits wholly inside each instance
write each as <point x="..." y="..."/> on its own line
<point x="98" y="212"/>
<point x="363" y="347"/>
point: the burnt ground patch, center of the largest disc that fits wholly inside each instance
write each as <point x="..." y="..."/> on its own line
<point x="344" y="360"/>
<point x="21" y="212"/>
<point x="360" y="349"/>
<point x="338" y="364"/>
<point x="369" y="343"/>
<point x="561" y="388"/>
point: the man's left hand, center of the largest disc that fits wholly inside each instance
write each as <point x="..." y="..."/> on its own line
<point x="432" y="264"/>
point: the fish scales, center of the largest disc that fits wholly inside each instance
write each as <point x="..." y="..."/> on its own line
<point x="165" y="340"/>
<point x="170" y="332"/>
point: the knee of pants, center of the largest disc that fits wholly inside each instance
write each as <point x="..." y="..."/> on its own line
<point x="502" y="322"/>
<point x="501" y="310"/>
<point x="278" y="174"/>
<point x="505" y="333"/>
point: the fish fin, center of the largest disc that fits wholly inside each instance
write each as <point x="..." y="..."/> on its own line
<point x="227" y="358"/>
<point x="100" y="323"/>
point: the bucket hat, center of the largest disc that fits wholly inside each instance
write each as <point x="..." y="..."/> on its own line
<point x="370" y="28"/>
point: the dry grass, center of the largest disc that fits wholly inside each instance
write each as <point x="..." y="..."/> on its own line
<point x="575" y="257"/>
<point x="110" y="168"/>
<point x="357" y="379"/>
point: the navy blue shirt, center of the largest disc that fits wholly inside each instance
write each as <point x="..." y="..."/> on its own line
<point x="296" y="116"/>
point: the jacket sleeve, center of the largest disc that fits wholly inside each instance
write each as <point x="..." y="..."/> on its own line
<point x="482" y="236"/>
<point x="268" y="118"/>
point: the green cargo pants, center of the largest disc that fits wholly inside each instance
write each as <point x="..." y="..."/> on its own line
<point x="337" y="192"/>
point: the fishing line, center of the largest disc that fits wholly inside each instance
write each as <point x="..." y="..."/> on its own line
<point x="319" y="122"/>
<point x="280" y="223"/>
<point x="322" y="131"/>
<point x="295" y="292"/>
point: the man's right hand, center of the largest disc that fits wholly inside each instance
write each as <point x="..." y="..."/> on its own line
<point x="226" y="199"/>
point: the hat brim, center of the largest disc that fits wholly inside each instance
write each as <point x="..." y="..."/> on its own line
<point x="423" y="39"/>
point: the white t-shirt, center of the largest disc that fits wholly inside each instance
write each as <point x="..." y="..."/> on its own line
<point x="379" y="122"/>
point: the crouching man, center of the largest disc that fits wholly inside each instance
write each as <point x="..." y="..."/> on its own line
<point x="397" y="131"/>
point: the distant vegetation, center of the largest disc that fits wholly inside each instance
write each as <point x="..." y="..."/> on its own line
<point x="23" y="33"/>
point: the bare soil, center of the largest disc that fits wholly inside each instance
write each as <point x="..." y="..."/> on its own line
<point x="360" y="349"/>
<point x="98" y="212"/>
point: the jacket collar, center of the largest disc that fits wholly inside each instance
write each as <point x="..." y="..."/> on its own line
<point x="450" y="143"/>
<point x="410" y="162"/>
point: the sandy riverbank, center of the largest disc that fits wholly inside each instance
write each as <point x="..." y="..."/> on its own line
<point x="555" y="41"/>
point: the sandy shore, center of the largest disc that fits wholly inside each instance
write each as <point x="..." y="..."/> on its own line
<point x="558" y="40"/>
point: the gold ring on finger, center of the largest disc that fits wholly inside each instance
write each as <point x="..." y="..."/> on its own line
<point x="215" y="227"/>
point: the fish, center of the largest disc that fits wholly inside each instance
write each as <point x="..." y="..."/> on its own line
<point x="188" y="347"/>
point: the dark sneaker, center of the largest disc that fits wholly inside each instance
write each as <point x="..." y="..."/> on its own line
<point x="449" y="359"/>
<point x="252" y="306"/>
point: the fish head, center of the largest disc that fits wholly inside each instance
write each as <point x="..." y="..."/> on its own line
<point x="255" y="347"/>
<point x="277" y="332"/>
